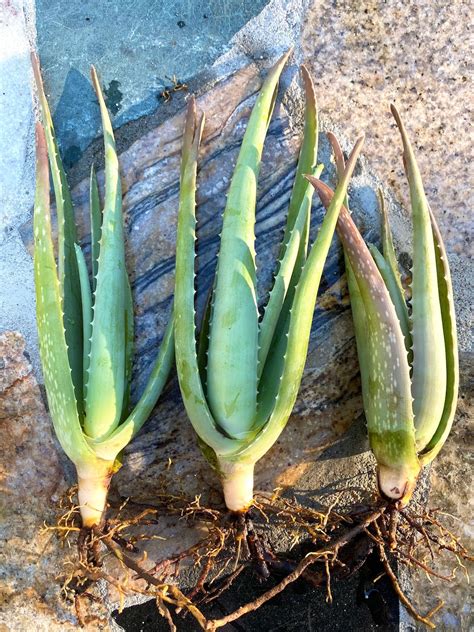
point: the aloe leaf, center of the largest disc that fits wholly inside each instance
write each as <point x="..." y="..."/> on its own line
<point x="300" y="202"/>
<point x="384" y="364"/>
<point x="280" y="286"/>
<point x="301" y="317"/>
<point x="128" y="342"/>
<point x="69" y="282"/>
<point x="86" y="297"/>
<point x="429" y="354"/>
<point x="109" y="447"/>
<point x="184" y="312"/>
<point x="96" y="223"/>
<point x="451" y="346"/>
<point x="361" y="331"/>
<point x="388" y="249"/>
<point x="106" y="383"/>
<point x="306" y="160"/>
<point x="387" y="266"/>
<point x="203" y="339"/>
<point x="398" y="299"/>
<point x="49" y="315"/>
<point x="233" y="341"/>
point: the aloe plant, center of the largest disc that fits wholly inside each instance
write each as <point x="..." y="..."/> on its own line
<point x="240" y="380"/>
<point x="85" y="326"/>
<point x="408" y="358"/>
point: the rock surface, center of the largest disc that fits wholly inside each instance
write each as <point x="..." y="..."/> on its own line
<point x="31" y="480"/>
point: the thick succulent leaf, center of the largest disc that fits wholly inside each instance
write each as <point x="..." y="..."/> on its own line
<point x="383" y="363"/>
<point x="388" y="249"/>
<point x="301" y="317"/>
<point x="233" y="341"/>
<point x="203" y="339"/>
<point x="280" y="285"/>
<point x="110" y="447"/>
<point x="106" y="383"/>
<point x="128" y="343"/>
<point x="429" y="354"/>
<point x="184" y="312"/>
<point x="86" y="297"/>
<point x="387" y="266"/>
<point x="300" y="202"/>
<point x="451" y="344"/>
<point x="69" y="282"/>
<point x="398" y="298"/>
<point x="271" y="368"/>
<point x="96" y="223"/>
<point x="361" y="331"/>
<point x="306" y="160"/>
<point x="49" y="315"/>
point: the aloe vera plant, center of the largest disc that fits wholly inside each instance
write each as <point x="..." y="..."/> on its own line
<point x="408" y="358"/>
<point x="85" y="326"/>
<point x="240" y="380"/>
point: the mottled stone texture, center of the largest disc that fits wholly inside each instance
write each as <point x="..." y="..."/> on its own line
<point x="31" y="478"/>
<point x="418" y="54"/>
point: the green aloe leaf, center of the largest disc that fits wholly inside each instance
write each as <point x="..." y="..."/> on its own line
<point x="280" y="286"/>
<point x="301" y="317"/>
<point x="184" y="312"/>
<point x="49" y="315"/>
<point x="106" y="383"/>
<point x="291" y="264"/>
<point x="429" y="353"/>
<point x="86" y="296"/>
<point x="69" y="283"/>
<point x="128" y="343"/>
<point x="109" y="447"/>
<point x="233" y="341"/>
<point x="383" y="363"/>
<point x="451" y="346"/>
<point x="306" y="161"/>
<point x="398" y="298"/>
<point x="96" y="223"/>
<point x="387" y="264"/>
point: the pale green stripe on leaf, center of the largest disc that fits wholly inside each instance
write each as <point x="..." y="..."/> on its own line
<point x="429" y="355"/>
<point x="106" y="384"/>
<point x="233" y="342"/>
<point x="49" y="315"/>
<point x="86" y="311"/>
<point x="451" y="346"/>
<point x="184" y="313"/>
<point x="301" y="317"/>
<point x="67" y="264"/>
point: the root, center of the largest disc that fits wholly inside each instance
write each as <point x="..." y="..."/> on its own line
<point x="327" y="554"/>
<point x="339" y="545"/>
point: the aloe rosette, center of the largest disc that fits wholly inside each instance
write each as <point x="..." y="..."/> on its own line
<point x="240" y="377"/>
<point x="85" y="325"/>
<point x="408" y="357"/>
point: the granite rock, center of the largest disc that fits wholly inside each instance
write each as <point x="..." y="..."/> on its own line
<point x="31" y="480"/>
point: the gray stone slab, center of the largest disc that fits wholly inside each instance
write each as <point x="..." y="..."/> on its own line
<point x="137" y="47"/>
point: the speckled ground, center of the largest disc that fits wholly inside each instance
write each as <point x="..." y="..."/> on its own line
<point x="364" y="55"/>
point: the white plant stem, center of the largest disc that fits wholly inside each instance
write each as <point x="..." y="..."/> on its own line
<point x="93" y="486"/>
<point x="397" y="484"/>
<point x="237" y="483"/>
